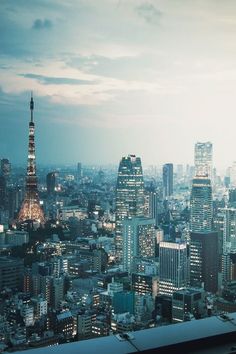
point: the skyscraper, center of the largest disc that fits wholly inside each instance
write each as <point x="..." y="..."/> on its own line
<point x="31" y="209"/>
<point x="138" y="240"/>
<point x="3" y="192"/>
<point x="228" y="243"/>
<point x="167" y="180"/>
<point x="203" y="159"/>
<point x="129" y="194"/>
<point x="204" y="248"/>
<point x="79" y="172"/>
<point x="173" y="267"/>
<point x="204" y="261"/>
<point x="155" y="205"/>
<point x="51" y="183"/>
<point x="5" y="168"/>
<point x="201" y="208"/>
<point x="229" y="229"/>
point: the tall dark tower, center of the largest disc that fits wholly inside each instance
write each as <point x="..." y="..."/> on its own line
<point x="31" y="209"/>
<point x="167" y="180"/>
<point x="51" y="183"/>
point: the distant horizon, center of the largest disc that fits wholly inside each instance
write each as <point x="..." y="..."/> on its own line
<point x="73" y="165"/>
<point x="111" y="77"/>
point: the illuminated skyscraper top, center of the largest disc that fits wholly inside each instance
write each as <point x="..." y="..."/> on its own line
<point x="31" y="209"/>
<point x="203" y="159"/>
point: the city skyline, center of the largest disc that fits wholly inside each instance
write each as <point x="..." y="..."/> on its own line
<point x="153" y="75"/>
<point x="117" y="185"/>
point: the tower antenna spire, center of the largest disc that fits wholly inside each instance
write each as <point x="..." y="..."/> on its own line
<point x="32" y="107"/>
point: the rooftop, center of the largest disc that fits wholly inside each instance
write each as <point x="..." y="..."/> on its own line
<point x="210" y="335"/>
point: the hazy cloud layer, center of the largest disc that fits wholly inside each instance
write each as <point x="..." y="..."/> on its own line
<point x="47" y="80"/>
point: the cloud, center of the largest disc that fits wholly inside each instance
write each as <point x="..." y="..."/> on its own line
<point x="42" y="24"/>
<point x="149" y="12"/>
<point x="47" y="80"/>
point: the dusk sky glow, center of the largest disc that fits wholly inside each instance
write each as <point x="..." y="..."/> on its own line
<point x="113" y="77"/>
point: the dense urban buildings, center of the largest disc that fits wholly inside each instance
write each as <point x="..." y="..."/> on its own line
<point x="118" y="192"/>
<point x="90" y="252"/>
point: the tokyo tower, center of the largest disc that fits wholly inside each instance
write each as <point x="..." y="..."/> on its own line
<point x="30" y="208"/>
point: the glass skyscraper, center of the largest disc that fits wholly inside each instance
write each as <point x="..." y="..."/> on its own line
<point x="201" y="205"/>
<point x="203" y="159"/>
<point x="204" y="260"/>
<point x="129" y="195"/>
<point x="167" y="180"/>
<point x="138" y="234"/>
<point x="204" y="250"/>
<point x="173" y="267"/>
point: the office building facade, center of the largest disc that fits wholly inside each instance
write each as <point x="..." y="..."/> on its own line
<point x="204" y="260"/>
<point x="201" y="208"/>
<point x="167" y="174"/>
<point x="173" y="271"/>
<point x="138" y="240"/>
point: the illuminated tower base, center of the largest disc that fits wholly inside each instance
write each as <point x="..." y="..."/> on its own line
<point x="31" y="209"/>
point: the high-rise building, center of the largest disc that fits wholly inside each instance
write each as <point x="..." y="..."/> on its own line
<point x="204" y="260"/>
<point x="204" y="243"/>
<point x="58" y="285"/>
<point x="228" y="242"/>
<point x="138" y="240"/>
<point x="11" y="270"/>
<point x="229" y="229"/>
<point x="173" y="272"/>
<point x="51" y="183"/>
<point x="233" y="175"/>
<point x="3" y="192"/>
<point x="31" y="209"/>
<point x="5" y="168"/>
<point x="167" y="180"/>
<point x="201" y="205"/>
<point x="232" y="197"/>
<point x="203" y="159"/>
<point x="228" y="267"/>
<point x="129" y="195"/>
<point x="143" y="284"/>
<point x="79" y="172"/>
<point x="188" y="302"/>
<point x="155" y="206"/>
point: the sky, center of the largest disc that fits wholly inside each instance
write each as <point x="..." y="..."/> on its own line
<point x="118" y="77"/>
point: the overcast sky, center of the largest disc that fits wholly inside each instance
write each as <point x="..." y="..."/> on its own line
<point x="113" y="77"/>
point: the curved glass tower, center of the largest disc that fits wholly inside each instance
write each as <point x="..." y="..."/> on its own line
<point x="129" y="195"/>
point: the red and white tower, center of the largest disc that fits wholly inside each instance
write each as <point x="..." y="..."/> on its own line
<point x="31" y="209"/>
